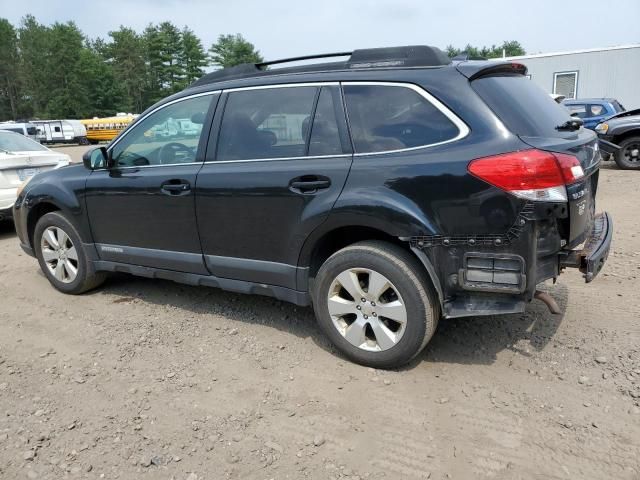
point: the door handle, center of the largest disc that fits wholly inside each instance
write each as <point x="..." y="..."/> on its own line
<point x="176" y="187"/>
<point x="309" y="183"/>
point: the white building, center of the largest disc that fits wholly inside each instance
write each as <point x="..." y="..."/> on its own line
<point x="594" y="73"/>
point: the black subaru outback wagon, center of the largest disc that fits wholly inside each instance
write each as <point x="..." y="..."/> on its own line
<point x="388" y="190"/>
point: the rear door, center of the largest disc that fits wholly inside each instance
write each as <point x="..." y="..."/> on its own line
<point x="277" y="160"/>
<point x="527" y="111"/>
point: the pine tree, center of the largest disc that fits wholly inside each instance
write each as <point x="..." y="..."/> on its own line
<point x="192" y="57"/>
<point x="232" y="50"/>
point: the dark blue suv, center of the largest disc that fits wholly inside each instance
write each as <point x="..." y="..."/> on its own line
<point x="388" y="190"/>
<point x="592" y="111"/>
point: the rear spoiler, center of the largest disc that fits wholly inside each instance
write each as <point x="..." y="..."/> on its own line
<point x="477" y="69"/>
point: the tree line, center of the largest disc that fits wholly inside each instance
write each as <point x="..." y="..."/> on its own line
<point x="55" y="71"/>
<point x="510" y="48"/>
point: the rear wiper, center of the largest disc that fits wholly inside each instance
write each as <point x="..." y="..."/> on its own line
<point x="570" y="125"/>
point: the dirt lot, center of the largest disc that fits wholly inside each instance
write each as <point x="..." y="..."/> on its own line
<point x="151" y="379"/>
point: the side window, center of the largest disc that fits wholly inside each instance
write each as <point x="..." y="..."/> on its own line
<point x="168" y="136"/>
<point x="385" y="118"/>
<point x="597" y="110"/>
<point x="325" y="135"/>
<point x="266" y="123"/>
<point x="578" y="110"/>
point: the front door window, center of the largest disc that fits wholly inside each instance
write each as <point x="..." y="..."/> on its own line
<point x="168" y="136"/>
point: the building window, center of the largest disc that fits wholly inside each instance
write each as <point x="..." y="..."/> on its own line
<point x="565" y="83"/>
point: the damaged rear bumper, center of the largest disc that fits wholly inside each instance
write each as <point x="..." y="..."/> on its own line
<point x="592" y="257"/>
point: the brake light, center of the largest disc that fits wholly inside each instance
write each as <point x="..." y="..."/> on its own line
<point x="532" y="174"/>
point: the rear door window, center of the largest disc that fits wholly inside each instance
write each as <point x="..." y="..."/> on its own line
<point x="394" y="117"/>
<point x="597" y="110"/>
<point x="266" y="123"/>
<point x="524" y="107"/>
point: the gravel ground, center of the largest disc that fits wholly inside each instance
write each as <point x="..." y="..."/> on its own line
<point x="151" y="379"/>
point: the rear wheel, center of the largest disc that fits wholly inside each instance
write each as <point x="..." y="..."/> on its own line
<point x="628" y="157"/>
<point x="372" y="301"/>
<point x="62" y="257"/>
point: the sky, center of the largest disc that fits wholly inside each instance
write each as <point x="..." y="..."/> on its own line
<point x="285" y="28"/>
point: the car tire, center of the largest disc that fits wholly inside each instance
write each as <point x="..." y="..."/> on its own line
<point x="628" y="157"/>
<point x="360" y="327"/>
<point x="61" y="255"/>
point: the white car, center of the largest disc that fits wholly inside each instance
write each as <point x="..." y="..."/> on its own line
<point x="20" y="159"/>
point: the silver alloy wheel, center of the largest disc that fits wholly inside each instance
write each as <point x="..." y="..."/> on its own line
<point x="367" y="309"/>
<point x="59" y="254"/>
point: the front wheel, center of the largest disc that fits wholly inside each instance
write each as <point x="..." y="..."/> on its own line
<point x="628" y="157"/>
<point x="61" y="255"/>
<point x="373" y="301"/>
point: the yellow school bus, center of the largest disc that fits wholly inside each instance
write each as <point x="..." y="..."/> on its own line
<point x="106" y="129"/>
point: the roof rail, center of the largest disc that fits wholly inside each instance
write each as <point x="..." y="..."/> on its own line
<point x="261" y="65"/>
<point x="408" y="56"/>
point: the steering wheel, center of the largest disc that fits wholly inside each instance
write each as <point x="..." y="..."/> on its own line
<point x="169" y="150"/>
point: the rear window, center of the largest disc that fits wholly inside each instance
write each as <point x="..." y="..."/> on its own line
<point x="13" y="142"/>
<point x="524" y="108"/>
<point x="617" y="106"/>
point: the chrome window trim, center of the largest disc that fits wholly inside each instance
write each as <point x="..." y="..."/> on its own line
<point x="281" y="85"/>
<point x="310" y="157"/>
<point x="128" y="167"/>
<point x="140" y="119"/>
<point x="463" y="129"/>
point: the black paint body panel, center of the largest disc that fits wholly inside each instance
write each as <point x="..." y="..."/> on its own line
<point x="242" y="226"/>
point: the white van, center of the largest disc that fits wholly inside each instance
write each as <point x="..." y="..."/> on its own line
<point x="24" y="128"/>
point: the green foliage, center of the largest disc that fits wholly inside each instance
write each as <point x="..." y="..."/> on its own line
<point x="56" y="72"/>
<point x="231" y="50"/>
<point x="125" y="54"/>
<point x="192" y="56"/>
<point x="9" y="82"/>
<point x="511" y="48"/>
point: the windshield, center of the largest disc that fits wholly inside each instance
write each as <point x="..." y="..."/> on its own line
<point x="14" y="142"/>
<point x="523" y="107"/>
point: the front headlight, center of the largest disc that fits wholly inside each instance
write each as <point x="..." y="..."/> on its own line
<point x="602" y="128"/>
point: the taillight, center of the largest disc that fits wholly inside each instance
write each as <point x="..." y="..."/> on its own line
<point x="532" y="174"/>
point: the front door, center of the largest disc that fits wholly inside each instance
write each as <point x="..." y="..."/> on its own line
<point x="282" y="158"/>
<point x="142" y="209"/>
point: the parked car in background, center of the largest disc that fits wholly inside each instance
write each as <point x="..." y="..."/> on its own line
<point x="20" y="159"/>
<point x="23" y="128"/>
<point x="346" y="185"/>
<point x="592" y="111"/>
<point x="620" y="139"/>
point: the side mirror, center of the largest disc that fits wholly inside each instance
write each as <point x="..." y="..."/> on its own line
<point x="96" y="158"/>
